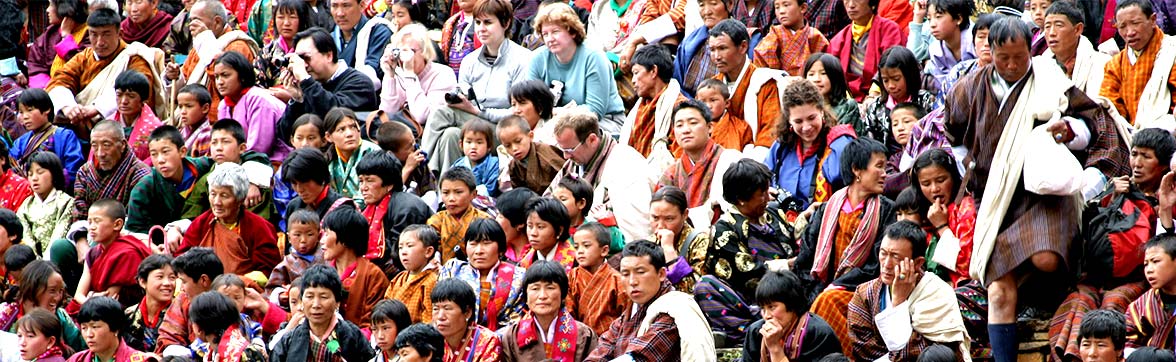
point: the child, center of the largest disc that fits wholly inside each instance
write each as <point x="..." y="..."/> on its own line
<point x="36" y="115"/>
<point x="789" y="43"/>
<point x="389" y="317"/>
<point x="728" y="131"/>
<point x="397" y="138"/>
<point x="134" y="91"/>
<point x="196" y="268"/>
<point x="389" y="210"/>
<point x="305" y="170"/>
<point x="903" y="119"/>
<point x="576" y="196"/>
<point x="303" y="237"/>
<point x="47" y="213"/>
<point x="906" y="206"/>
<point x="420" y="342"/>
<point x="14" y="188"/>
<point x="308" y="132"/>
<point x="476" y="138"/>
<point x="901" y="83"/>
<point x="597" y="294"/>
<point x="15" y="259"/>
<point x="786" y="309"/>
<point x="547" y="232"/>
<point x="215" y="319"/>
<point x="1037" y="10"/>
<point x="418" y="245"/>
<point x="1146" y="316"/>
<point x="530" y="164"/>
<point x="322" y="291"/>
<point x="342" y="131"/>
<point x="227" y="144"/>
<point x="159" y="199"/>
<point x="457" y="190"/>
<point x="1103" y="335"/>
<point x="250" y="305"/>
<point x="192" y="103"/>
<point x="512" y="216"/>
<point x="455" y="43"/>
<point x="156" y="277"/>
<point x="40" y="337"/>
<point x="344" y="244"/>
<point x="105" y="272"/>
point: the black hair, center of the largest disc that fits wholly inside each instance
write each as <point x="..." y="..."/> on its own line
<point x="197" y="90"/>
<point x="599" y="231"/>
<point x="961" y="10"/>
<point x="104" y="309"/>
<point x="537" y="93"/>
<point x="47" y="324"/>
<point x="1104" y="323"/>
<point x="103" y="17"/>
<point x="37" y="98"/>
<point x="553" y="212"/>
<point x="425" y="339"/>
<point x="426" y="234"/>
<point x="391" y="310"/>
<point x="984" y="22"/>
<point x="456" y="291"/>
<point x="580" y="190"/>
<point x="735" y="30"/>
<point x="855" y="156"/>
<point x="231" y="126"/>
<point x="480" y="127"/>
<point x="915" y="108"/>
<point x="75" y="10"/>
<point x="213" y="313"/>
<point x="901" y="58"/>
<point x="168" y="133"/>
<point x="512" y="205"/>
<point x="1067" y="9"/>
<point x="656" y="55"/>
<point x="461" y="174"/>
<point x="153" y="263"/>
<point x="34" y="279"/>
<point x="783" y="287"/>
<point x="133" y="81"/>
<point x="304" y="216"/>
<point x="299" y="7"/>
<point x="350" y="228"/>
<point x="11" y="224"/>
<point x="415" y="11"/>
<point x="110" y="207"/>
<point x="1007" y="29"/>
<point x="749" y="175"/>
<point x="937" y="353"/>
<point x="245" y="71"/>
<point x="383" y="165"/>
<point x="909" y="231"/>
<point x="485" y="229"/>
<point x="1149" y="353"/>
<point x="311" y="119"/>
<point x="673" y="196"/>
<point x="323" y="276"/>
<point x="648" y="248"/>
<point x="837" y="86"/>
<point x="906" y="201"/>
<point x="388" y="136"/>
<point x="321" y="39"/>
<point x="228" y="280"/>
<point x="199" y="261"/>
<point x="546" y="271"/>
<point x="50" y="162"/>
<point x="1157" y="139"/>
<point x="18" y="256"/>
<point x="936" y="157"/>
<point x="697" y="105"/>
<point x="1165" y="242"/>
<point x="305" y="165"/>
<point x="336" y="116"/>
<point x="1144" y="6"/>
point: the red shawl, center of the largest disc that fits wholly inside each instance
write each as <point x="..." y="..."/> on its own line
<point x="500" y="292"/>
<point x="695" y="177"/>
<point x="14" y="189"/>
<point x="883" y="34"/>
<point x="863" y="238"/>
<point x="231" y="347"/>
<point x="109" y="265"/>
<point x="375" y="217"/>
<point x="253" y="246"/>
<point x="563" y="344"/>
<point x="150" y="34"/>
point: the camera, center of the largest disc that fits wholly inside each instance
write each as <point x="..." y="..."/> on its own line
<point x="280" y="61"/>
<point x="454" y="96"/>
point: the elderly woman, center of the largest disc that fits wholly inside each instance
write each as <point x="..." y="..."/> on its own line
<point x="667" y="220"/>
<point x="580" y="75"/>
<point x="488" y="73"/>
<point x="290" y="18"/>
<point x="65" y="36"/>
<point x="255" y="108"/>
<point x="244" y="241"/>
<point x="529" y="339"/>
<point x="751" y="227"/>
<point x="413" y="81"/>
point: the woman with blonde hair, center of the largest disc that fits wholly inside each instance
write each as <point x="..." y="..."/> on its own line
<point x="413" y="80"/>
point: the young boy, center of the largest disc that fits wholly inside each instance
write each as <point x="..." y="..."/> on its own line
<point x="530" y="164"/>
<point x="597" y="294"/>
<point x="36" y="115"/>
<point x="727" y="130"/>
<point x="397" y="138"/>
<point x="196" y="268"/>
<point x="15" y="259"/>
<point x="387" y="209"/>
<point x="227" y="144"/>
<point x="105" y="271"/>
<point x="159" y="199"/>
<point x="903" y="119"/>
<point x="418" y="244"/>
<point x="1148" y="320"/>
<point x="345" y="240"/>
<point x="303" y="236"/>
<point x="321" y="294"/>
<point x="193" y="102"/>
<point x="576" y="195"/>
<point x="1103" y="335"/>
<point x="457" y="191"/>
<point x="389" y="317"/>
<point x="788" y="44"/>
<point x="133" y="90"/>
<point x="263" y="316"/>
<point x="476" y="138"/>
<point x="156" y="277"/>
<point x="420" y="343"/>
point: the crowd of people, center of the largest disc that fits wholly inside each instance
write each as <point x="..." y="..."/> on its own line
<point x="608" y="180"/>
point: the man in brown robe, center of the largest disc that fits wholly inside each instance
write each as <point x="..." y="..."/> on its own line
<point x="145" y="23"/>
<point x="728" y="45"/>
<point x="648" y="127"/>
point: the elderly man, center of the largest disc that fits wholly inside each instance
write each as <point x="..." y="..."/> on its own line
<point x="905" y="309"/>
<point x="83" y="89"/>
<point x="617" y="173"/>
<point x="663" y="324"/>
<point x="1021" y="234"/>
<point x="212" y="35"/>
<point x="755" y="94"/>
<point x="1073" y="52"/>
<point x="360" y="40"/>
<point x="319" y="81"/>
<point x="648" y="127"/>
<point x="1129" y="82"/>
<point x="145" y="23"/>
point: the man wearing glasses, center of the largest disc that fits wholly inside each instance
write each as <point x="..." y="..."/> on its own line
<point x="318" y="81"/>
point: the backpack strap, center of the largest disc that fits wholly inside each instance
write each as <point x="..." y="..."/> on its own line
<point x="684" y="249"/>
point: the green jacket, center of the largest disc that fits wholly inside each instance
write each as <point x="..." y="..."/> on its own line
<point x="154" y="200"/>
<point x="197" y="202"/>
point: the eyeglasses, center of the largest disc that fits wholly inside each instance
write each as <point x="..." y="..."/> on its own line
<point x="573" y="149"/>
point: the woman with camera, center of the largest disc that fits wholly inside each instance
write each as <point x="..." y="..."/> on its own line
<point x="484" y="80"/>
<point x="414" y="83"/>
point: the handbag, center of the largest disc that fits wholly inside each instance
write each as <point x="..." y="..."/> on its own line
<point x="1050" y="167"/>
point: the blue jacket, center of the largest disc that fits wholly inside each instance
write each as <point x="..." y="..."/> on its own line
<point x="379" y="38"/>
<point x="691" y="45"/>
<point x="796" y="176"/>
<point x="65" y="144"/>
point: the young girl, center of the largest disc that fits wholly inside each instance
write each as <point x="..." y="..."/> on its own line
<point x="824" y="71"/>
<point x="547" y="232"/>
<point x="156" y="277"/>
<point x="308" y="132"/>
<point x="40" y="337"/>
<point x="46" y="214"/>
<point x="901" y="83"/>
<point x="41" y="286"/>
<point x="949" y="25"/>
<point x="404" y="12"/>
<point x="576" y="196"/>
<point x="341" y="127"/>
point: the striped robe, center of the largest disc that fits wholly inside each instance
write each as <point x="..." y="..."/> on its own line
<point x="1150" y="322"/>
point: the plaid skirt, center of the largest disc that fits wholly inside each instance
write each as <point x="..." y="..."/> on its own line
<point x="1063" y="329"/>
<point x="833" y="307"/>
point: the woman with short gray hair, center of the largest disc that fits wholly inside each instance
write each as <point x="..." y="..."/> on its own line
<point x="244" y="241"/>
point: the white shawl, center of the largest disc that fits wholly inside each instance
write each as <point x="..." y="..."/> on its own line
<point x="1156" y="99"/>
<point x="659" y="155"/>
<point x="932" y="311"/>
<point x="694" y="333"/>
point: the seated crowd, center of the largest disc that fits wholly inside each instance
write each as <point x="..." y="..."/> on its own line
<point x="588" y="180"/>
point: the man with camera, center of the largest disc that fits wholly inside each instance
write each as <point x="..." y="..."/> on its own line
<point x="317" y="81"/>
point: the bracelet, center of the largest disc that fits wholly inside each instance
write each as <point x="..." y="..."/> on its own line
<point x="940" y="227"/>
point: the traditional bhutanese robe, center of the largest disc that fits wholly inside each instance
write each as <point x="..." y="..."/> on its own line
<point x="234" y="346"/>
<point x="343" y="177"/>
<point x="45" y="220"/>
<point x="291" y="268"/>
<point x="571" y="340"/>
<point x="51" y="50"/>
<point x="480" y="344"/>
<point x="695" y="177"/>
<point x="536" y="171"/>
<point x="644" y="135"/>
<point x="596" y="299"/>
<point x="1125" y="82"/>
<point x="731" y="132"/>
<point x="500" y="301"/>
<point x="92" y="185"/>
<point x="453" y="230"/>
<point x="787" y="50"/>
<point x="1150" y="321"/>
<point x="660" y="342"/>
<point x="151" y="33"/>
<point x="108" y="267"/>
<point x="930" y="315"/>
<point x="1065" y="326"/>
<point x="881" y="36"/>
<point x="809" y="339"/>
<point x="414" y="291"/>
<point x="251" y="246"/>
<point x="563" y="253"/>
<point x="14" y="190"/>
<point x="59" y="140"/>
<point x="143" y="331"/>
<point x="366" y="284"/>
<point x="80" y="70"/>
<point x="175" y="329"/>
<point x="157" y="200"/>
<point x="140" y="132"/>
<point x="197" y="140"/>
<point x="124" y="353"/>
<point x="457" y="39"/>
<point x="768" y="101"/>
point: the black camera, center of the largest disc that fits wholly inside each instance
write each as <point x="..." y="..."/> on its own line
<point x="454" y="97"/>
<point x="280" y="61"/>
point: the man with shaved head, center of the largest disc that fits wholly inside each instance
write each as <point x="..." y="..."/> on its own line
<point x="111" y="171"/>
